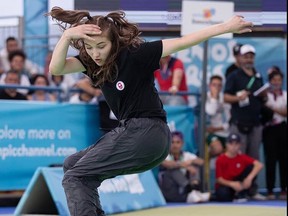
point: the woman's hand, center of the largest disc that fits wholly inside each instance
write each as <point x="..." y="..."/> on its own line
<point x="84" y="31"/>
<point x="238" y="25"/>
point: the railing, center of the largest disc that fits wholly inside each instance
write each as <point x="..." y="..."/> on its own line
<point x="60" y="90"/>
<point x="10" y="26"/>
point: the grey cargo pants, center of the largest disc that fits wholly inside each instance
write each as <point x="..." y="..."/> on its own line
<point x="136" y="145"/>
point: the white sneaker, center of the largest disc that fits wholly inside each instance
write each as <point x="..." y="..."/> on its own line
<point x="205" y="197"/>
<point x="258" y="197"/>
<point x="193" y="197"/>
<point x="240" y="200"/>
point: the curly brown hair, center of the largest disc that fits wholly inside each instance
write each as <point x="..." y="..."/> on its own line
<point x="118" y="30"/>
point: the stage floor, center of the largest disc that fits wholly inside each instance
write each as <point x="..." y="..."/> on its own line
<point x="250" y="208"/>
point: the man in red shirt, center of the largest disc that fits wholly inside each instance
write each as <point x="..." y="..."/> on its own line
<point x="171" y="78"/>
<point x="235" y="172"/>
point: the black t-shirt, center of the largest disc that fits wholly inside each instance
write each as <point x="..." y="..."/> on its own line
<point x="238" y="81"/>
<point x="5" y="96"/>
<point x="133" y="93"/>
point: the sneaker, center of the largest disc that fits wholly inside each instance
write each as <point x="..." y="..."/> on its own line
<point x="258" y="197"/>
<point x="194" y="197"/>
<point x="283" y="195"/>
<point x="205" y="197"/>
<point x="240" y="200"/>
<point x="271" y="196"/>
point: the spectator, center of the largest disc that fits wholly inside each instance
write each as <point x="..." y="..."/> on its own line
<point x="12" y="45"/>
<point x="1" y="68"/>
<point x="83" y="97"/>
<point x="246" y="108"/>
<point x="275" y="135"/>
<point x="17" y="59"/>
<point x="236" y="64"/>
<point x="235" y="172"/>
<point x="40" y="80"/>
<point x="47" y="62"/>
<point x="218" y="114"/>
<point x="179" y="177"/>
<point x="171" y="77"/>
<point x="65" y="82"/>
<point x="108" y="121"/>
<point x="11" y="78"/>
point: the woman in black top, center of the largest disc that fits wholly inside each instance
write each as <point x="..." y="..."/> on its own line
<point x="117" y="60"/>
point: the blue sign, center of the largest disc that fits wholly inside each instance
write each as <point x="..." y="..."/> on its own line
<point x="120" y="194"/>
<point x="41" y="134"/>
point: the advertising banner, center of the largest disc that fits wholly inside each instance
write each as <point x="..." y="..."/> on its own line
<point x="41" y="134"/>
<point x="36" y="135"/>
<point x="120" y="194"/>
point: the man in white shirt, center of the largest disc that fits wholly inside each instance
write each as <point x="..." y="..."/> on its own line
<point x="179" y="177"/>
<point x="218" y="114"/>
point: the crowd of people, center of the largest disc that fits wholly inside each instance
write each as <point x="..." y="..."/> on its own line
<point x="238" y="121"/>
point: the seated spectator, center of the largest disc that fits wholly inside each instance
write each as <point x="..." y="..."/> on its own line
<point x="171" y="77"/>
<point x="40" y="95"/>
<point x="65" y="82"/>
<point x="235" y="172"/>
<point x="47" y="62"/>
<point x="179" y="177"/>
<point x="218" y="115"/>
<point x="12" y="45"/>
<point x="17" y="59"/>
<point x="108" y="120"/>
<point x="83" y="98"/>
<point x="11" y="78"/>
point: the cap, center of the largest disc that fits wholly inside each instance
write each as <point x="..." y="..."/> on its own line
<point x="247" y="48"/>
<point x="233" y="137"/>
<point x="211" y="138"/>
<point x="236" y="49"/>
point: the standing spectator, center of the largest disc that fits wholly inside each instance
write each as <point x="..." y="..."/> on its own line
<point x="218" y="114"/>
<point x="12" y="45"/>
<point x="275" y="134"/>
<point x="179" y="174"/>
<point x="246" y="108"/>
<point x="1" y="68"/>
<point x="40" y="80"/>
<point x="171" y="77"/>
<point x="17" y="60"/>
<point x="11" y="78"/>
<point x="235" y="172"/>
<point x="236" y="64"/>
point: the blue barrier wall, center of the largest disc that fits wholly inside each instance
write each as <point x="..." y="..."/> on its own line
<point x="120" y="194"/>
<point x="41" y="134"/>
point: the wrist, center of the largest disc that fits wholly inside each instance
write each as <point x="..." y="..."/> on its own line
<point x="174" y="88"/>
<point x="66" y="37"/>
<point x="178" y="164"/>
